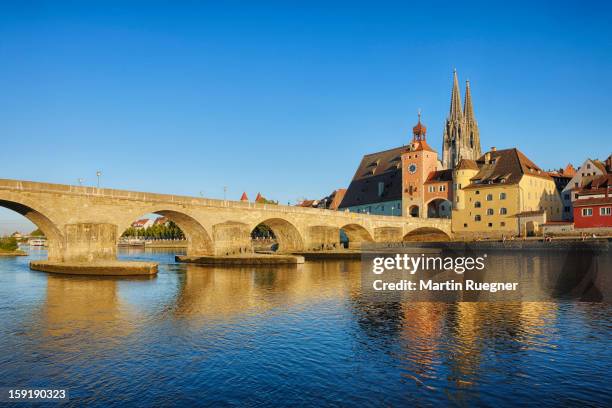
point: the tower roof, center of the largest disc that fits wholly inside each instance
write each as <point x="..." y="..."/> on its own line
<point x="419" y="130"/>
<point x="468" y="110"/>
<point x="244" y="197"/>
<point x="455" y="108"/>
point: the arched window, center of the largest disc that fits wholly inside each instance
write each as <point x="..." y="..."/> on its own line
<point x="477" y="218"/>
<point x="477" y="204"/>
<point x="503" y="211"/>
<point x="490" y="211"/>
<point x="502" y="196"/>
<point x="489" y="197"/>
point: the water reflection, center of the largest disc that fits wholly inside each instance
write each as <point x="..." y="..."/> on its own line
<point x="85" y="309"/>
<point x="217" y="293"/>
<point x="298" y="334"/>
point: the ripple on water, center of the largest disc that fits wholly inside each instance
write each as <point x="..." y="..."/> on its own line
<point x="290" y="336"/>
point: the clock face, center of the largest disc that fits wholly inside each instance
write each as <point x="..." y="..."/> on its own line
<point x="412" y="168"/>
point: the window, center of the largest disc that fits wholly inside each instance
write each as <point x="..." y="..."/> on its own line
<point x="605" y="211"/>
<point x="489" y="197"/>
<point x="576" y="184"/>
<point x="381" y="188"/>
<point x="588" y="165"/>
<point x="442" y="188"/>
<point x="503" y="211"/>
<point x="432" y="189"/>
<point x="490" y="224"/>
<point x="576" y="196"/>
<point x="477" y="204"/>
<point x="477" y="192"/>
<point x="502" y="224"/>
<point x="477" y="218"/>
<point x="587" y="212"/>
<point x="490" y="211"/>
<point x="502" y="196"/>
<point x="566" y="196"/>
<point x="464" y="225"/>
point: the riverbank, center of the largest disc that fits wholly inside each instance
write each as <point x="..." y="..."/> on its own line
<point x="518" y="245"/>
<point x="16" y="252"/>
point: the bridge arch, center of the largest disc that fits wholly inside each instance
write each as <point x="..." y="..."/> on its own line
<point x="55" y="238"/>
<point x="439" y="207"/>
<point x="199" y="241"/>
<point x="356" y="234"/>
<point x="430" y="234"/>
<point x="287" y="235"/>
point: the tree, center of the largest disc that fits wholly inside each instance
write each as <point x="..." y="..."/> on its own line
<point x="8" y="244"/>
<point x="37" y="233"/>
<point x="156" y="231"/>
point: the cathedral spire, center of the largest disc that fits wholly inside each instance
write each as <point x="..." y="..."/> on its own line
<point x="468" y="110"/>
<point x="455" y="108"/>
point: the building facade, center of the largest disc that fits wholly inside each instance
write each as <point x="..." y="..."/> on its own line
<point x="503" y="193"/>
<point x="592" y="207"/>
<point x="406" y="181"/>
<point x="589" y="170"/>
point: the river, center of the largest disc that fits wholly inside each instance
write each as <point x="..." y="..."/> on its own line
<point x="290" y="336"/>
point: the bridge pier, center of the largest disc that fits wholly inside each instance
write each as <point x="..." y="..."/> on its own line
<point x="321" y="238"/>
<point x="90" y="242"/>
<point x="232" y="238"/>
<point x="91" y="249"/>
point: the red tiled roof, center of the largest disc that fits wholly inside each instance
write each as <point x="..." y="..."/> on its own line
<point x="600" y="166"/>
<point x="569" y="170"/>
<point x="421" y="145"/>
<point x="244" y="197"/>
<point x="592" y="201"/>
<point x="440" y="176"/>
<point x="467" y="164"/>
<point x="508" y="165"/>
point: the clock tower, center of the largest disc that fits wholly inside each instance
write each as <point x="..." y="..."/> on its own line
<point x="418" y="161"/>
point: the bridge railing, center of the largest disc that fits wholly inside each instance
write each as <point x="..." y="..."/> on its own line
<point x="33" y="186"/>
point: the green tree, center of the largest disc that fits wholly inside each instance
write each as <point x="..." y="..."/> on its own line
<point x="37" y="233"/>
<point x="8" y="244"/>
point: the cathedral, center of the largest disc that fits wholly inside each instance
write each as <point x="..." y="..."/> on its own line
<point x="461" y="139"/>
<point x="411" y="180"/>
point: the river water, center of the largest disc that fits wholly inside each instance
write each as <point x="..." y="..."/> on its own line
<point x="290" y="336"/>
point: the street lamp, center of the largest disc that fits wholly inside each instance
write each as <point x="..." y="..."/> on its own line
<point x="224" y="193"/>
<point x="392" y="208"/>
<point x="98" y="174"/>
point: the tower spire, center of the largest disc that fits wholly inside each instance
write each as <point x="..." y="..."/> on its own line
<point x="468" y="110"/>
<point x="455" y="108"/>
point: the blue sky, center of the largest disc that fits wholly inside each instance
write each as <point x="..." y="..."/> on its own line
<point x="285" y="97"/>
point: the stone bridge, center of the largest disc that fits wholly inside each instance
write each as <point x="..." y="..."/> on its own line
<point x="83" y="224"/>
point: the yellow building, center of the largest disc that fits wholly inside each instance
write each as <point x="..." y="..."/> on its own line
<point x="502" y="193"/>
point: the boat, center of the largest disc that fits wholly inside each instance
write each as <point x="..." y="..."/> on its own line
<point x="37" y="242"/>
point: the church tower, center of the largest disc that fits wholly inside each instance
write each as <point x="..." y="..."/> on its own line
<point x="461" y="138"/>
